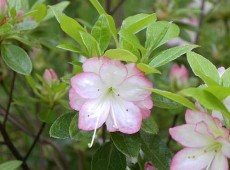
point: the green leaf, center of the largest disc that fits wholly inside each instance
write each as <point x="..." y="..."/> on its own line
<point x="156" y="151"/>
<point x="121" y="54"/>
<point x="91" y="45"/>
<point x="60" y="128"/>
<point x="16" y="58"/>
<point x="203" y="68"/>
<point x="72" y="28"/>
<point x="207" y="99"/>
<point x="128" y="144"/>
<point x="147" y="69"/>
<point x="10" y="165"/>
<point x="41" y="11"/>
<point x="101" y="32"/>
<point x="77" y="134"/>
<point x="25" y="25"/>
<point x="136" y="23"/>
<point x="159" y="33"/>
<point x="225" y="78"/>
<point x="107" y="157"/>
<point x="219" y="91"/>
<point x="170" y="54"/>
<point x="6" y="28"/>
<point x="57" y="10"/>
<point x="112" y="28"/>
<point x="175" y="97"/>
<point x="98" y="6"/>
<point x="69" y="47"/>
<point x="150" y="126"/>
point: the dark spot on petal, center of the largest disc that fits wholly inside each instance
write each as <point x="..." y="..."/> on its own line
<point x="127" y="110"/>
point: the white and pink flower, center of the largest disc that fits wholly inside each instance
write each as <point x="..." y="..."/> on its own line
<point x="50" y="76"/>
<point x="110" y="92"/>
<point x="206" y="142"/>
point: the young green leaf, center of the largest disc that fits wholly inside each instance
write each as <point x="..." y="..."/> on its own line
<point x="203" y="68"/>
<point x="107" y="157"/>
<point x="175" y="97"/>
<point x="98" y="6"/>
<point x="128" y="144"/>
<point x="69" y="47"/>
<point x="156" y="150"/>
<point x="207" y="99"/>
<point x="121" y="54"/>
<point x="147" y="69"/>
<point x="16" y="58"/>
<point x="101" y="32"/>
<point x="136" y="23"/>
<point x="225" y="78"/>
<point x="6" y="28"/>
<point x="41" y="11"/>
<point x="159" y="33"/>
<point x="170" y="54"/>
<point x="60" y="128"/>
<point x="10" y="165"/>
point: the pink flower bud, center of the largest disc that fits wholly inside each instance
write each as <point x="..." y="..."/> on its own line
<point x="221" y="71"/>
<point x="3" y="7"/>
<point x="178" y="74"/>
<point x="149" y="166"/>
<point x="50" y="76"/>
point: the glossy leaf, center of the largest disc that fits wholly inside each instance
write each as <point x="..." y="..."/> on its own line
<point x="128" y="144"/>
<point x="136" y="23"/>
<point x="10" y="165"/>
<point x="159" y="33"/>
<point x="107" y="157"/>
<point x="156" y="151"/>
<point x="69" y="47"/>
<point x="41" y="11"/>
<point x="101" y="32"/>
<point x="149" y="125"/>
<point x="77" y="134"/>
<point x="16" y="58"/>
<point x="225" y="78"/>
<point x="203" y="68"/>
<point x="175" y="97"/>
<point x="120" y="54"/>
<point x="98" y="6"/>
<point x="147" y="69"/>
<point x="170" y="54"/>
<point x="60" y="128"/>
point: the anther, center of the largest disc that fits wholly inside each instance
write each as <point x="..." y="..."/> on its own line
<point x="127" y="110"/>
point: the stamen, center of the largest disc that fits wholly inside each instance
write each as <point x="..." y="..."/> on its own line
<point x="94" y="133"/>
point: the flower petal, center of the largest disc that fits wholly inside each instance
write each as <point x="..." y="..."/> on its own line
<point x="75" y="100"/>
<point x="220" y="162"/>
<point x="186" y="159"/>
<point x="94" y="64"/>
<point x="113" y="73"/>
<point x="93" y="114"/>
<point x="88" y="85"/>
<point x="185" y="135"/>
<point x="126" y="117"/>
<point x="145" y="106"/>
<point x="194" y="117"/>
<point x="225" y="146"/>
<point x="133" y="70"/>
<point x="134" y="88"/>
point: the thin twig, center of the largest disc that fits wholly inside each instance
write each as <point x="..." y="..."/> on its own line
<point x="35" y="141"/>
<point x="10" y="99"/>
<point x="117" y="7"/>
<point x="11" y="147"/>
<point x="201" y="20"/>
<point x="108" y="6"/>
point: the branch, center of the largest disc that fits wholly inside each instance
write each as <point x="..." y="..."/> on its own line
<point x="202" y="16"/>
<point x="117" y="7"/>
<point x="10" y="99"/>
<point x="11" y="147"/>
<point x="35" y="141"/>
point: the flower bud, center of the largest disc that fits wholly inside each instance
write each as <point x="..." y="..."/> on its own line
<point x="221" y="71"/>
<point x="149" y="166"/>
<point x="179" y="75"/>
<point x="3" y="8"/>
<point x="50" y="76"/>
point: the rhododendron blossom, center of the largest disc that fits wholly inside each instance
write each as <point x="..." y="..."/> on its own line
<point x="149" y="166"/>
<point x="110" y="92"/>
<point x="179" y="75"/>
<point x="206" y="142"/>
<point x="3" y="7"/>
<point x="50" y="76"/>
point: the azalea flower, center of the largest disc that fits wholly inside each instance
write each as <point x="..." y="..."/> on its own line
<point x="206" y="142"/>
<point x="50" y="76"/>
<point x="110" y="92"/>
<point x="3" y="7"/>
<point x="149" y="166"/>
